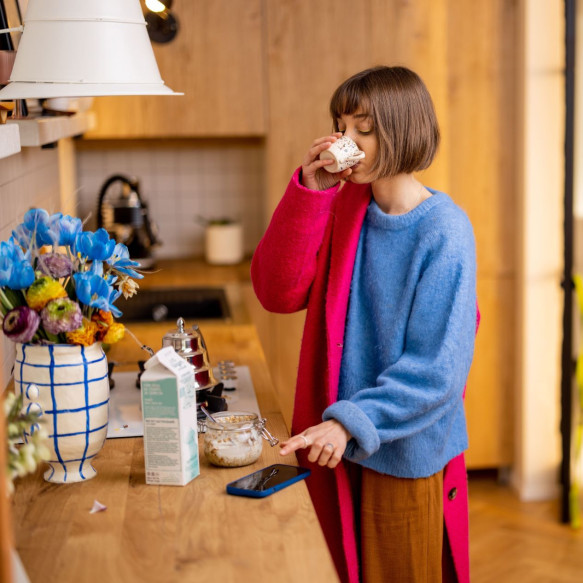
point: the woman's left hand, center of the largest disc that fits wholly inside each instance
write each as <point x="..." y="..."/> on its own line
<point x="327" y="442"/>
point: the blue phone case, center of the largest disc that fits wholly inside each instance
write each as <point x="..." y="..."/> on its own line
<point x="254" y="492"/>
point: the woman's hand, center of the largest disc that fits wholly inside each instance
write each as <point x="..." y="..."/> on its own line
<point x="314" y="176"/>
<point x="327" y="442"/>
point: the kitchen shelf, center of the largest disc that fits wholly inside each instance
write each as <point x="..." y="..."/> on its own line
<point x="9" y="140"/>
<point x="39" y="131"/>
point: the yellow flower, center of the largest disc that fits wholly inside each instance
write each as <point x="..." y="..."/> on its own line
<point x="84" y="335"/>
<point x="42" y="291"/>
<point x="114" y="333"/>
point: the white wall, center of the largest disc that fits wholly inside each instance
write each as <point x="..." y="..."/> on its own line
<point x="29" y="179"/>
<point x="538" y="439"/>
<point x="179" y="181"/>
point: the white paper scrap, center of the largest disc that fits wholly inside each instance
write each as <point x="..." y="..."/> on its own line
<point x="97" y="507"/>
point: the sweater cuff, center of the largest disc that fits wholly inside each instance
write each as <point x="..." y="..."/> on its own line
<point x="296" y="181"/>
<point x="365" y="440"/>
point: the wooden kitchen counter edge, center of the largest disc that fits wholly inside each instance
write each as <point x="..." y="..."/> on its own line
<point x="167" y="533"/>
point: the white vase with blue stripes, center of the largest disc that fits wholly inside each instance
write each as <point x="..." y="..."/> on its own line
<point x="73" y="393"/>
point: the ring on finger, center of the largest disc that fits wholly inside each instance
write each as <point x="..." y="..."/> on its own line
<point x="307" y="443"/>
<point x="330" y="446"/>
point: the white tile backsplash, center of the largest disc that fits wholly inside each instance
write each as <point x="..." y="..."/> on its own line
<point x="28" y="179"/>
<point x="180" y="181"/>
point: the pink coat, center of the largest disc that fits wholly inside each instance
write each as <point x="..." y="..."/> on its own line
<point x="305" y="259"/>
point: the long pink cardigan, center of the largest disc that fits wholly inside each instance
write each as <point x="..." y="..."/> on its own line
<point x="305" y="259"/>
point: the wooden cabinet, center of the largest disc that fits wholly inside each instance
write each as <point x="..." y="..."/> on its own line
<point x="216" y="60"/>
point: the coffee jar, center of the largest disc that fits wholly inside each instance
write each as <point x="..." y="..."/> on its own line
<point x="235" y="438"/>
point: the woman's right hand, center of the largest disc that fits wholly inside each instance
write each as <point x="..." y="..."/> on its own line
<point x="314" y="176"/>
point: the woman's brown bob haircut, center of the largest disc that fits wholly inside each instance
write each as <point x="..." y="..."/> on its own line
<point x="403" y="116"/>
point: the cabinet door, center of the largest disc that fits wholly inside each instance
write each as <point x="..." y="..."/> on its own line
<point x="216" y="61"/>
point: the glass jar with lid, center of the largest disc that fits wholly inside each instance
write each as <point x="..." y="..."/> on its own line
<point x="235" y="438"/>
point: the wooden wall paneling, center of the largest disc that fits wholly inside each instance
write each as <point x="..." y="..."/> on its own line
<point x="490" y="399"/>
<point x="481" y="130"/>
<point x="483" y="181"/>
<point x="414" y="34"/>
<point x="311" y="48"/>
<point x="216" y="59"/>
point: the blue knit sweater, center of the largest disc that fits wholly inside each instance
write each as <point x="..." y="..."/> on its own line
<point x="409" y="339"/>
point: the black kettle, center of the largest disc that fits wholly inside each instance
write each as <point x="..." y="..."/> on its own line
<point x="125" y="217"/>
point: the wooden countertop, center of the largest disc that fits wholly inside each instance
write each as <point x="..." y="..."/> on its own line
<point x="195" y="271"/>
<point x="167" y="533"/>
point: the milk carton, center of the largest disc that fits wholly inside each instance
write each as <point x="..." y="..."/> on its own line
<point x="170" y="427"/>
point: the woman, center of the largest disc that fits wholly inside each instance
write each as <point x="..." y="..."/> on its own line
<point x="386" y="268"/>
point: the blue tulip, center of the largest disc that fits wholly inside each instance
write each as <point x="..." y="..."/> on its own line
<point x="121" y="262"/>
<point x="96" y="268"/>
<point x="15" y="271"/>
<point x="35" y="217"/>
<point x="96" y="245"/>
<point x="37" y="221"/>
<point x="6" y="265"/>
<point x="64" y="229"/>
<point x="22" y="275"/>
<point x="94" y="291"/>
<point x="23" y="236"/>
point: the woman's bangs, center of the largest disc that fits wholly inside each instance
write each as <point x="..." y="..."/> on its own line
<point x="347" y="99"/>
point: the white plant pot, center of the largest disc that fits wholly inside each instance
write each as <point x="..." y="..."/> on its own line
<point x="224" y="244"/>
<point x="69" y="385"/>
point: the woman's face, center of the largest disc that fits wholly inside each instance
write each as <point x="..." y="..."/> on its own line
<point x="359" y="127"/>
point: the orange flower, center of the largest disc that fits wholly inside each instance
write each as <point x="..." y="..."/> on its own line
<point x="114" y="333"/>
<point x="84" y="335"/>
<point x="103" y="321"/>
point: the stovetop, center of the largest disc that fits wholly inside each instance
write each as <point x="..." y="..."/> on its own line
<point x="125" y="415"/>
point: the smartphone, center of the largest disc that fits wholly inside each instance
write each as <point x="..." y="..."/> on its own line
<point x="267" y="481"/>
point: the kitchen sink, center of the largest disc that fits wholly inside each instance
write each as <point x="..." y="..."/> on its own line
<point x="159" y="304"/>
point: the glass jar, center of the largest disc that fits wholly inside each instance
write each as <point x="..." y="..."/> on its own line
<point x="235" y="439"/>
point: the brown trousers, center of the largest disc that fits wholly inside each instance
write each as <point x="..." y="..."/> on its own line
<point x="401" y="526"/>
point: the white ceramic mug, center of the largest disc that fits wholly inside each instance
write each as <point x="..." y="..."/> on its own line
<point x="345" y="154"/>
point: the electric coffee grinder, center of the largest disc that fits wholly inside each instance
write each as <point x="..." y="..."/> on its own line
<point x="124" y="215"/>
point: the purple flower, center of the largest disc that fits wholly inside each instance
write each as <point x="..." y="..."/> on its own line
<point x="61" y="315"/>
<point x="55" y="264"/>
<point x="20" y="324"/>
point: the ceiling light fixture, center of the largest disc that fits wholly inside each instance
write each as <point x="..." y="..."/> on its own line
<point x="91" y="48"/>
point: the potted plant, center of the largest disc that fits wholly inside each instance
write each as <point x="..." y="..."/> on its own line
<point x="58" y="287"/>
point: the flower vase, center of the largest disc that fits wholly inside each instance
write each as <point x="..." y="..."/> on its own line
<point x="73" y="398"/>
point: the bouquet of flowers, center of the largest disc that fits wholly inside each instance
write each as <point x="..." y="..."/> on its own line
<point x="58" y="283"/>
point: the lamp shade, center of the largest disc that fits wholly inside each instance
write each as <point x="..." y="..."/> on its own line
<point x="73" y="48"/>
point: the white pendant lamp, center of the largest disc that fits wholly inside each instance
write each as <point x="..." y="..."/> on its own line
<point x="84" y="48"/>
